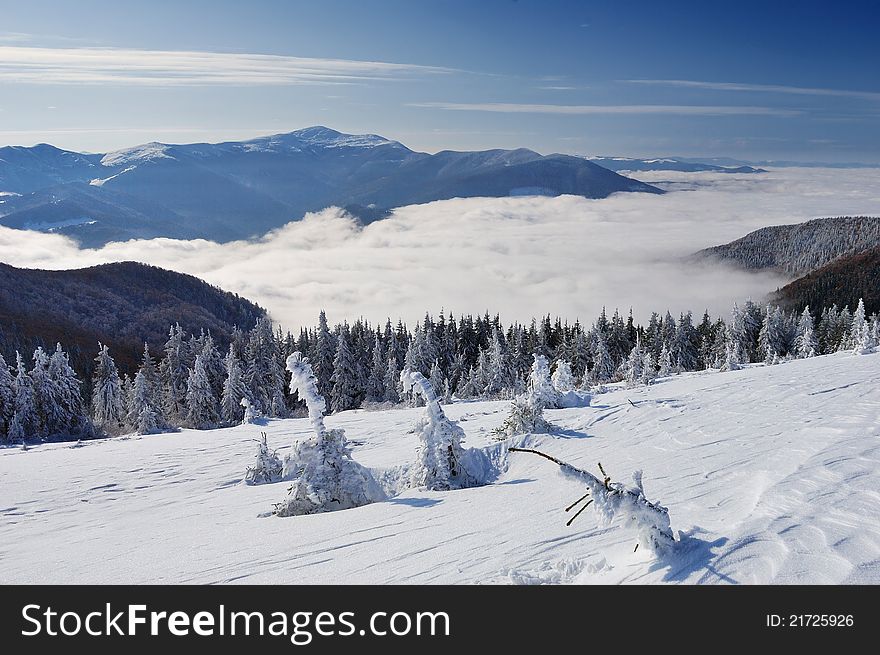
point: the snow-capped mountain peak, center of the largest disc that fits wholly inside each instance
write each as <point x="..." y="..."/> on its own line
<point x="136" y="155"/>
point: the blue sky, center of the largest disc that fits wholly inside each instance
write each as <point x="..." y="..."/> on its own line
<point x="755" y="80"/>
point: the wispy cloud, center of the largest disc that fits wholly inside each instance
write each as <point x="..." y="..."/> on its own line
<point x="680" y="110"/>
<point x="760" y="88"/>
<point x="34" y="65"/>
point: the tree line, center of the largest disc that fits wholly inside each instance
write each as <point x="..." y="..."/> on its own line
<point x="192" y="384"/>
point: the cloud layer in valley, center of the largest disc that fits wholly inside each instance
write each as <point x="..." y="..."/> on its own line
<point x="521" y="257"/>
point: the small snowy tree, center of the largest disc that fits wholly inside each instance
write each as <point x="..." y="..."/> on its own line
<point x="201" y="404"/>
<point x="268" y="466"/>
<point x="323" y="474"/>
<point x="806" y="344"/>
<point x="634" y="366"/>
<point x="249" y="414"/>
<point x="392" y="375"/>
<point x="603" y="365"/>
<point x="648" y="368"/>
<point x="860" y="332"/>
<point x="108" y="403"/>
<point x="143" y="416"/>
<point x="440" y="461"/>
<point x="667" y="368"/>
<point x="540" y="388"/>
<point x="527" y="410"/>
<point x="562" y="379"/>
<point x="437" y="379"/>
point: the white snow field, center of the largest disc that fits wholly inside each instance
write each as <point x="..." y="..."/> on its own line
<point x="770" y="474"/>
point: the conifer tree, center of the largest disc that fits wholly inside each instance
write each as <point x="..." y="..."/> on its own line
<point x="7" y="398"/>
<point x="108" y="403"/>
<point x="201" y="404"/>
<point x="392" y="376"/>
<point x="234" y="390"/>
<point x="806" y="344"/>
<point x="344" y="393"/>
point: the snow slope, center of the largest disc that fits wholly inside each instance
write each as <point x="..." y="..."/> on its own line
<point x="770" y="474"/>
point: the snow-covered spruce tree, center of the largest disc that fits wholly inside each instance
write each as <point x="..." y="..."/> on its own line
<point x="143" y="417"/>
<point x="437" y="380"/>
<point x="649" y="369"/>
<point x="234" y="390"/>
<point x="562" y="378"/>
<point x="68" y="415"/>
<point x="540" y="388"/>
<point x="633" y="367"/>
<point x="806" y="344"/>
<point x="392" y="376"/>
<point x="324" y="476"/>
<point x="268" y="466"/>
<point x="498" y="374"/>
<point x="603" y="365"/>
<point x="666" y="366"/>
<point x="343" y="395"/>
<point x="43" y="394"/>
<point x="7" y="399"/>
<point x="201" y="404"/>
<point x="264" y="376"/>
<point x="375" y="388"/>
<point x="732" y="355"/>
<point x="323" y="354"/>
<point x="440" y="457"/>
<point x="108" y="403"/>
<point x="174" y="373"/>
<point x="771" y="338"/>
<point x="860" y="331"/>
<point x="24" y="415"/>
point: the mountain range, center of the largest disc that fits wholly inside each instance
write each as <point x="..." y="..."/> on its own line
<point x="240" y="189"/>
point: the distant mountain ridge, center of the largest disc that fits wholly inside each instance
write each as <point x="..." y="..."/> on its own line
<point x="799" y="248"/>
<point x="240" y="189"/>
<point x="624" y="164"/>
<point x="121" y="304"/>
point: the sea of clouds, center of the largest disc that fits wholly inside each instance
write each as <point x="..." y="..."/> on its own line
<point x="520" y="257"/>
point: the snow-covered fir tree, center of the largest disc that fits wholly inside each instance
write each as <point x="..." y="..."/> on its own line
<point x="234" y="390"/>
<point x="143" y="415"/>
<point x="603" y="365"/>
<point x="634" y="366"/>
<point x="806" y="343"/>
<point x="562" y="378"/>
<point x="323" y="475"/>
<point x="201" y="403"/>
<point x="860" y="331"/>
<point x="344" y="394"/>
<point x="66" y="415"/>
<point x="437" y="379"/>
<point x="666" y="367"/>
<point x="7" y="398"/>
<point x="375" y="387"/>
<point x="392" y="376"/>
<point x="174" y="372"/>
<point x="108" y="402"/>
<point x="440" y="463"/>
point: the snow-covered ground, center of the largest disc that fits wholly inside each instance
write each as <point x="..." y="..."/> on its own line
<point x="770" y="474"/>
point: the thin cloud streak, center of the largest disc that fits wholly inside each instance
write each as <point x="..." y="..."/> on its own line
<point x="760" y="88"/>
<point x="674" y="110"/>
<point x="32" y="65"/>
